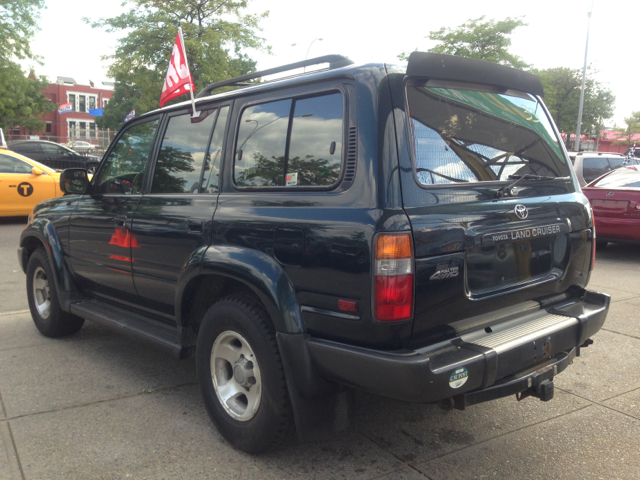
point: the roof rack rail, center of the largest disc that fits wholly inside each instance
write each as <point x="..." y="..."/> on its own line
<point x="334" y="61"/>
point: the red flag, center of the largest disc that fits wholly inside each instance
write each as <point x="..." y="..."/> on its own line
<point x="178" y="80"/>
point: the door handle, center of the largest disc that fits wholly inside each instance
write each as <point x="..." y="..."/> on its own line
<point x="195" y="225"/>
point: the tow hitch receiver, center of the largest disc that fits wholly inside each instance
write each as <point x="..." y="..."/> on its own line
<point x="530" y="383"/>
<point x="544" y="391"/>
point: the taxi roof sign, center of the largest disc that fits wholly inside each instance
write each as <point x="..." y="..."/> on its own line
<point x="3" y="144"/>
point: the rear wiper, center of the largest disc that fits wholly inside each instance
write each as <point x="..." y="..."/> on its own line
<point x="528" y="176"/>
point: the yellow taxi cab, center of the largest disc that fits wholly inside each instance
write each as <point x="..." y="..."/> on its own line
<point x="24" y="183"/>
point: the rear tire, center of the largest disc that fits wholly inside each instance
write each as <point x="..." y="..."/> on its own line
<point x="49" y="318"/>
<point x="241" y="376"/>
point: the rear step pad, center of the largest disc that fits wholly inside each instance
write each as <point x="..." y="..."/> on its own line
<point x="149" y="330"/>
<point x="511" y="334"/>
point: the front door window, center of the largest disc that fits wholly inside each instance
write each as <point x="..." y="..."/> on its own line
<point x="124" y="167"/>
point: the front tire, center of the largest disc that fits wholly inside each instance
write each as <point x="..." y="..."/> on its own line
<point x="49" y="318"/>
<point x="241" y="376"/>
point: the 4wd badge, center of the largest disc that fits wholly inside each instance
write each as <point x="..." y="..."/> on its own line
<point x="444" y="273"/>
<point x="459" y="378"/>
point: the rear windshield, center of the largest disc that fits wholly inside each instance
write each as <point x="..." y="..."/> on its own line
<point x="623" y="178"/>
<point x="476" y="136"/>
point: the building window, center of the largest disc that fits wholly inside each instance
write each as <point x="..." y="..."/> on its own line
<point x="72" y="129"/>
<point x="83" y="103"/>
<point x="72" y="101"/>
<point x="48" y="127"/>
<point x="83" y="129"/>
<point x="92" y="130"/>
<point x="92" y="103"/>
<point x="104" y="102"/>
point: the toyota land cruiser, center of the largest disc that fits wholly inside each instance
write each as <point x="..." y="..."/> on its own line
<point x="416" y="233"/>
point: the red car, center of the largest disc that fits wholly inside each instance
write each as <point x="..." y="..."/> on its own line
<point x="615" y="198"/>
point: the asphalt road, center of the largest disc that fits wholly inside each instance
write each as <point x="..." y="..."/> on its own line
<point x="97" y="406"/>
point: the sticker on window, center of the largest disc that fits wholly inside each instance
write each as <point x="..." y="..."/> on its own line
<point x="292" y="179"/>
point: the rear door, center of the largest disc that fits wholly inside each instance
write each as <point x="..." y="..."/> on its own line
<point x="20" y="189"/>
<point x="496" y="219"/>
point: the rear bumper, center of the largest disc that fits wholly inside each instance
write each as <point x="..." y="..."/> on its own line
<point x="469" y="371"/>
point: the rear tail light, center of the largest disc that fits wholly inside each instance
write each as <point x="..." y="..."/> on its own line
<point x="393" y="278"/>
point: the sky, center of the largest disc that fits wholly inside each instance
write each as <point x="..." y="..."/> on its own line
<point x="378" y="32"/>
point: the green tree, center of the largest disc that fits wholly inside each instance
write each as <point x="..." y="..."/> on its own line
<point x="625" y="134"/>
<point x="478" y="39"/>
<point x="21" y="102"/>
<point x="216" y="32"/>
<point x="562" y="87"/>
<point x="18" y="24"/>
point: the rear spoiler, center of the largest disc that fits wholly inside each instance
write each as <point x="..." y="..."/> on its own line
<point x="437" y="66"/>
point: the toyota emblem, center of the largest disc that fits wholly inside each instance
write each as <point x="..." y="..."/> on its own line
<point x="609" y="194"/>
<point x="521" y="212"/>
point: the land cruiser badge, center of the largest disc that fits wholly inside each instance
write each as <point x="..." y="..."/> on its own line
<point x="459" y="378"/>
<point x="443" y="273"/>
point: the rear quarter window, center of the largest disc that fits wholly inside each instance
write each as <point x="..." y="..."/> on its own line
<point x="593" y="167"/>
<point x="291" y="143"/>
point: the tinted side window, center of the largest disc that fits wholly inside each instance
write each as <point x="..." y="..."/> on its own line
<point x="10" y="164"/>
<point x="315" y="151"/>
<point x="616" y="162"/>
<point x="260" y="149"/>
<point x="182" y="153"/>
<point x="26" y="148"/>
<point x="313" y="156"/>
<point x="123" y="169"/>
<point x="212" y="160"/>
<point x="593" y="167"/>
<point x="49" y="149"/>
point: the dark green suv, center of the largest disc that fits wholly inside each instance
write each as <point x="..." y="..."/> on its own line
<point x="414" y="232"/>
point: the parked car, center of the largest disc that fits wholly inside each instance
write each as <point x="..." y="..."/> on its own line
<point x="414" y="232"/>
<point x="81" y="146"/>
<point x="591" y="165"/>
<point x="54" y="155"/>
<point x="615" y="198"/>
<point x="24" y="183"/>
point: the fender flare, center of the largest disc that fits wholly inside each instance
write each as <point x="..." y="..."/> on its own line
<point x="45" y="233"/>
<point x="255" y="269"/>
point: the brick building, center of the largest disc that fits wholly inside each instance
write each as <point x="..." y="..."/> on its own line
<point x="77" y="124"/>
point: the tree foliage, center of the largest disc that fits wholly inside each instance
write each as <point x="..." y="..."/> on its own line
<point x="17" y="26"/>
<point x="216" y="33"/>
<point x="625" y="134"/>
<point x="562" y="87"/>
<point x="21" y="103"/>
<point x="484" y="40"/>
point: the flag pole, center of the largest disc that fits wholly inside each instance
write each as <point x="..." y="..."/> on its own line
<point x="195" y="114"/>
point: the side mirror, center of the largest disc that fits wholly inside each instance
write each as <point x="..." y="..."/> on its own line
<point x="74" y="181"/>
<point x="36" y="171"/>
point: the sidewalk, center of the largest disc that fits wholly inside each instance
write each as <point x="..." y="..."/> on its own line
<point x="99" y="406"/>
